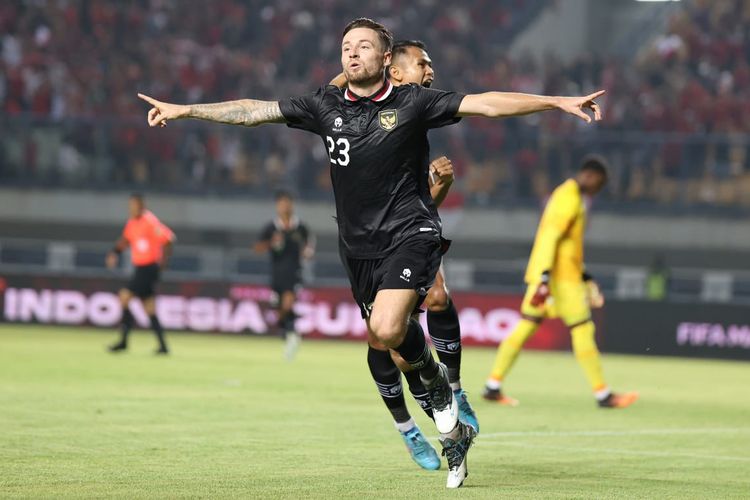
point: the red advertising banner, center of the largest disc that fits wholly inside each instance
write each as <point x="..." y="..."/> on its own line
<point x="198" y="306"/>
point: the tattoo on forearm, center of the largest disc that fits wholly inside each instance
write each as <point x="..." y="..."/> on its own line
<point x="247" y="112"/>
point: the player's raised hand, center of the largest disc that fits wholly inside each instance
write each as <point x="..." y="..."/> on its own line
<point x="163" y="111"/>
<point x="443" y="168"/>
<point x="542" y="292"/>
<point x="579" y="105"/>
<point x="596" y="297"/>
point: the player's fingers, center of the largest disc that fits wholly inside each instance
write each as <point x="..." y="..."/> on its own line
<point x="597" y="111"/>
<point x="148" y="99"/>
<point x="438" y="162"/>
<point x="593" y="96"/>
<point x="153" y="117"/>
<point x="580" y="114"/>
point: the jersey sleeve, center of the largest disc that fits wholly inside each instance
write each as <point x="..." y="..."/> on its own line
<point x="437" y="108"/>
<point x="303" y="112"/>
<point x="163" y="233"/>
<point x="558" y="215"/>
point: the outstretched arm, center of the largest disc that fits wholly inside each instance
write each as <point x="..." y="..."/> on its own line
<point x="246" y="112"/>
<point x="503" y="104"/>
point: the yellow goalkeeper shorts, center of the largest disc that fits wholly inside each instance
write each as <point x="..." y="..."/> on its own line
<point x="568" y="301"/>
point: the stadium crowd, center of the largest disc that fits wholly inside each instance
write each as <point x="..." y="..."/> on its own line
<point x="675" y="127"/>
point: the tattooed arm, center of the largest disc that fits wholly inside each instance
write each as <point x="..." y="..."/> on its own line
<point x="246" y="112"/>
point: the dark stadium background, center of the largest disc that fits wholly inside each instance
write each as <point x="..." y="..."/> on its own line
<point x="74" y="143"/>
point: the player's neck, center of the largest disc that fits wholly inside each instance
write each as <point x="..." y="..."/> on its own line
<point x="366" y="89"/>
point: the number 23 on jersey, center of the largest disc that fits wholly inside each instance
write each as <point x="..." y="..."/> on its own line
<point x="338" y="151"/>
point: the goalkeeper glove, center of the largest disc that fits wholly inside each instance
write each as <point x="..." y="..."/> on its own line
<point x="595" y="296"/>
<point x="542" y="291"/>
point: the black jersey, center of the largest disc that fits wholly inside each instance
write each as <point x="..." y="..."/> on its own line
<point x="286" y="249"/>
<point x="379" y="159"/>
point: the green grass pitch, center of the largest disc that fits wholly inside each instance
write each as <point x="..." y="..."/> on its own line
<point x="227" y="417"/>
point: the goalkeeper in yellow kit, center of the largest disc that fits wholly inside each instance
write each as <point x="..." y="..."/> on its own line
<point x="558" y="286"/>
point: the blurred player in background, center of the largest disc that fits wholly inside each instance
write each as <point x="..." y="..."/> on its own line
<point x="411" y="64"/>
<point x="150" y="244"/>
<point x="289" y="242"/>
<point x="559" y="286"/>
<point x="389" y="231"/>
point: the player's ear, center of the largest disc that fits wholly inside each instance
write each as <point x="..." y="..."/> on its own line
<point x="387" y="58"/>
<point x="394" y="73"/>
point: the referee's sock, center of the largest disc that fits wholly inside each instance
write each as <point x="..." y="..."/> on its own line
<point x="415" y="351"/>
<point x="126" y="323"/>
<point x="156" y="326"/>
<point x="445" y="332"/>
<point x="388" y="380"/>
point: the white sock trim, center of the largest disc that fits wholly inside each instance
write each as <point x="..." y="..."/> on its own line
<point x="455" y="386"/>
<point x="405" y="427"/>
<point x="602" y="394"/>
<point x="493" y="384"/>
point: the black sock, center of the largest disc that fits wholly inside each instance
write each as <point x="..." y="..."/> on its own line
<point x="445" y="332"/>
<point x="415" y="351"/>
<point x="388" y="380"/>
<point x="156" y="326"/>
<point x="126" y="323"/>
<point x="418" y="391"/>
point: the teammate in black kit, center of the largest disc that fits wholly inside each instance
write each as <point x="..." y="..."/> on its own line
<point x="389" y="230"/>
<point x="288" y="241"/>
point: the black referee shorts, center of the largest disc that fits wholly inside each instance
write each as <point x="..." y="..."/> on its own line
<point x="144" y="279"/>
<point x="410" y="266"/>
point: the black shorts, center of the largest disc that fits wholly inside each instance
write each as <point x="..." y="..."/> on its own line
<point x="285" y="281"/>
<point x="143" y="282"/>
<point x="410" y="266"/>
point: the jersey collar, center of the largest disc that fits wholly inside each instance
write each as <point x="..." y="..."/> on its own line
<point x="293" y="223"/>
<point x="378" y="96"/>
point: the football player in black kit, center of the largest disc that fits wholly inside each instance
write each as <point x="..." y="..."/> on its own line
<point x="410" y="63"/>
<point x="289" y="242"/>
<point x="389" y="230"/>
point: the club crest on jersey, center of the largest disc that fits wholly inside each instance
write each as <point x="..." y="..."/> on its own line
<point x="388" y="119"/>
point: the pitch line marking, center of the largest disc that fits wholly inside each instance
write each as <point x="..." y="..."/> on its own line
<point x="639" y="453"/>
<point x="636" y="432"/>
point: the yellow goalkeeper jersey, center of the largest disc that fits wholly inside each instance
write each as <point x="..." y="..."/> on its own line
<point x="558" y="246"/>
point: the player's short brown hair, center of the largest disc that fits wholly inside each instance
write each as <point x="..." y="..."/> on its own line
<point x="385" y="36"/>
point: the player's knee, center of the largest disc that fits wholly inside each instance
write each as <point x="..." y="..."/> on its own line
<point x="437" y="299"/>
<point x="149" y="305"/>
<point x="387" y="329"/>
<point x="373" y="342"/>
<point x="287" y="301"/>
<point x="125" y="296"/>
<point x="583" y="336"/>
